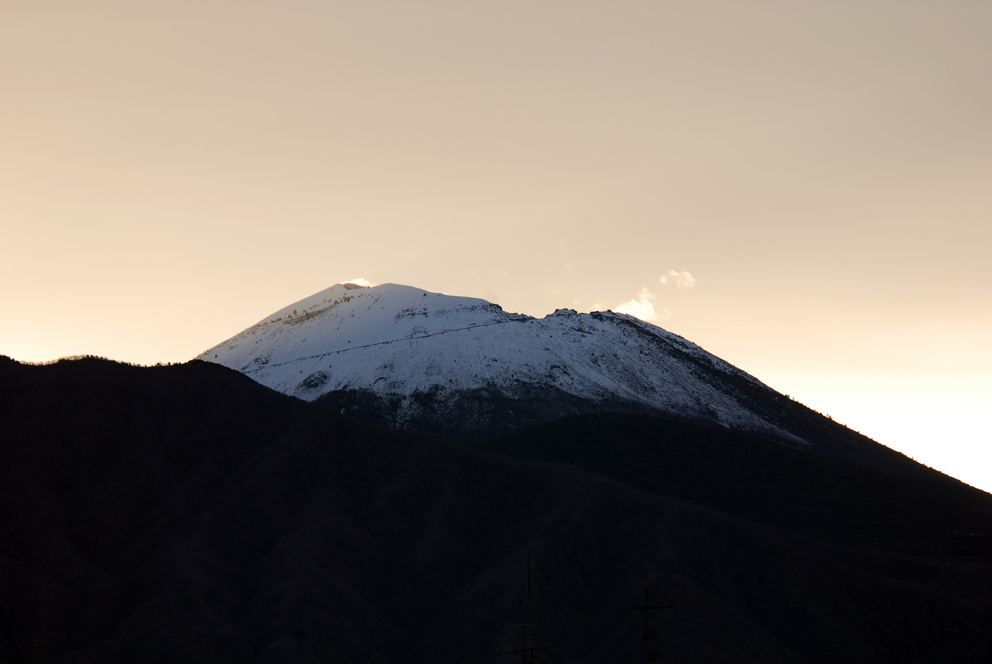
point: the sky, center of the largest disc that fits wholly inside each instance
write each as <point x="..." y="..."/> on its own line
<point x="801" y="188"/>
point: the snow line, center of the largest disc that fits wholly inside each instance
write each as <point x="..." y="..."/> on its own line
<point x="380" y="343"/>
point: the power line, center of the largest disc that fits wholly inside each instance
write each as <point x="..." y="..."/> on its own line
<point x="649" y="635"/>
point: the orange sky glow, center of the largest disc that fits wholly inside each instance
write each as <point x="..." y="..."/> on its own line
<point x="170" y="173"/>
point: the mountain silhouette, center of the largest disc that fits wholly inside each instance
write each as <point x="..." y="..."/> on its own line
<point x="187" y="513"/>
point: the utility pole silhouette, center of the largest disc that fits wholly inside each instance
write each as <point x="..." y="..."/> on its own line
<point x="650" y="655"/>
<point x="527" y="653"/>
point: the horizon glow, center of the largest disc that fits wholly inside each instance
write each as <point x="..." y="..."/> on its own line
<point x="170" y="174"/>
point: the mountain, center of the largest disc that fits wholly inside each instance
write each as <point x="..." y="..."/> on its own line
<point x="419" y="350"/>
<point x="464" y="369"/>
<point x="186" y="513"/>
<point x="203" y="513"/>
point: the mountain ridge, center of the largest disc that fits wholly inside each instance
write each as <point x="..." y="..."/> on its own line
<point x="399" y="341"/>
<point x="464" y="369"/>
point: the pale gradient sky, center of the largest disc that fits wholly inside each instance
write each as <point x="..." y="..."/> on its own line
<point x="171" y="172"/>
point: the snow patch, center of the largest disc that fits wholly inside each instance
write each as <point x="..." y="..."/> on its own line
<point x="398" y="342"/>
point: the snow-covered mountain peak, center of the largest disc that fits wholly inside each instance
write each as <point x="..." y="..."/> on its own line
<point x="418" y="351"/>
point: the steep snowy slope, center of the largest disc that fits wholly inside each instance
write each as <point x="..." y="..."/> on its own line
<point x="463" y="366"/>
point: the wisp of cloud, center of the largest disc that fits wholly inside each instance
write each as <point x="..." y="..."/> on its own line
<point x="681" y="279"/>
<point x="643" y="307"/>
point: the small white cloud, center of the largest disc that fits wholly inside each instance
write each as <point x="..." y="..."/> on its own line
<point x="681" y="279"/>
<point x="361" y="282"/>
<point x="643" y="307"/>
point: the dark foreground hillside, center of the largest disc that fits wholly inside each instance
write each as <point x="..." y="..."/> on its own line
<point x="925" y="512"/>
<point x="185" y="513"/>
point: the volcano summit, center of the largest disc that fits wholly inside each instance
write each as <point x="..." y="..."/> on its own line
<point x="464" y="369"/>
